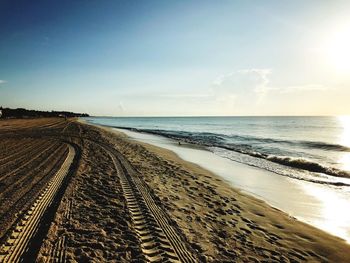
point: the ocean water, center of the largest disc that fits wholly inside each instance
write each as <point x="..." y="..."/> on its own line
<point x="313" y="149"/>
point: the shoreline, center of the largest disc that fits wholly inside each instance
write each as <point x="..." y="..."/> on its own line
<point x="309" y="208"/>
<point x="306" y="165"/>
<point x="255" y="215"/>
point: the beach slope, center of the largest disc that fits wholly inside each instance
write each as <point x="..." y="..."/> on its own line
<point x="124" y="201"/>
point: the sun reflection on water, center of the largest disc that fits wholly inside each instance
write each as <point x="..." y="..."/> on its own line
<point x="345" y="124"/>
<point x="345" y="161"/>
<point x="334" y="216"/>
<point x="345" y="140"/>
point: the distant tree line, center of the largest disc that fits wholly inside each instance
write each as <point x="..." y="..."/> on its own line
<point x="21" y="113"/>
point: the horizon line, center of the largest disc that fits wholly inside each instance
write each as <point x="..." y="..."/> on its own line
<point x="206" y="116"/>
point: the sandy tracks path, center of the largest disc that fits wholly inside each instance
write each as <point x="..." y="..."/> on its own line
<point x="161" y="240"/>
<point x="20" y="238"/>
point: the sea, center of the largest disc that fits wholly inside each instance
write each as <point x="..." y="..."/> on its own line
<point x="313" y="149"/>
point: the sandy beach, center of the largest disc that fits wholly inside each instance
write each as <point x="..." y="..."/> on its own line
<point x="174" y="131"/>
<point x="117" y="200"/>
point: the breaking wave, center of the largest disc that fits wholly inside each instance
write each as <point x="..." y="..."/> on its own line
<point x="308" y="165"/>
<point x="249" y="145"/>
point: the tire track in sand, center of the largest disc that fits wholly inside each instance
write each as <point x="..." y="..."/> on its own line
<point x="19" y="240"/>
<point x="159" y="238"/>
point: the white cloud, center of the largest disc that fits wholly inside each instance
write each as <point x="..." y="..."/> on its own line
<point x="261" y="78"/>
<point x="219" y="80"/>
<point x="242" y="90"/>
<point x="2" y="81"/>
<point x="257" y="81"/>
<point x="242" y="84"/>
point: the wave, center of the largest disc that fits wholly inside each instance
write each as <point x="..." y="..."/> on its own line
<point x="308" y="165"/>
<point x="208" y="137"/>
<point x="305" y="144"/>
<point x="299" y="163"/>
<point x="284" y="172"/>
<point x="325" y="146"/>
<point x="245" y="147"/>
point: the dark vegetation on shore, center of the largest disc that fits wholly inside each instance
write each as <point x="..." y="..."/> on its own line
<point x="21" y="113"/>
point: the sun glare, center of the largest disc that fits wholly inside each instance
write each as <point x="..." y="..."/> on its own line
<point x="339" y="49"/>
<point x="345" y="140"/>
<point x="345" y="135"/>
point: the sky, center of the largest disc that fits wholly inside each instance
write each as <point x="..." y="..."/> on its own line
<point x="176" y="58"/>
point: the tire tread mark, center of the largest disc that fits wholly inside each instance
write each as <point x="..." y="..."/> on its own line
<point x="19" y="240"/>
<point x="160" y="241"/>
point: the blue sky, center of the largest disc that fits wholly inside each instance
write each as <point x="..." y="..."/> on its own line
<point x="159" y="58"/>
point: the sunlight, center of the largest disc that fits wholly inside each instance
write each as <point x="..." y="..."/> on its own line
<point x="345" y="140"/>
<point x="338" y="49"/>
<point x="345" y="161"/>
<point x="345" y="136"/>
<point x="334" y="218"/>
